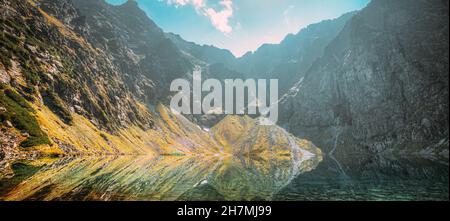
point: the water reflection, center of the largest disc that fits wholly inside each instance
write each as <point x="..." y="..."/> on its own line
<point x="250" y="179"/>
<point x="156" y="178"/>
<point x="229" y="178"/>
<point x="371" y="178"/>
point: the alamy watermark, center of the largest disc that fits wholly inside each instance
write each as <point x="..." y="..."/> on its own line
<point x="259" y="102"/>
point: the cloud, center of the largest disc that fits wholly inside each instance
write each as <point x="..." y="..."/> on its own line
<point x="220" y="19"/>
<point x="196" y="3"/>
<point x="286" y="14"/>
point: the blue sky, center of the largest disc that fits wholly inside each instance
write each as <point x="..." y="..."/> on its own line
<point x="241" y="25"/>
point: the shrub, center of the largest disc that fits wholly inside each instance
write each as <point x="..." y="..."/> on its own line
<point x="18" y="99"/>
<point x="57" y="106"/>
<point x="20" y="114"/>
<point x="5" y="58"/>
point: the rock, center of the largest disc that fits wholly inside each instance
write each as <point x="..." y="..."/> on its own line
<point x="78" y="109"/>
<point x="32" y="48"/>
<point x="9" y="124"/>
<point x="4" y="76"/>
<point x="382" y="80"/>
<point x="290" y="60"/>
<point x="244" y="136"/>
<point x="426" y="123"/>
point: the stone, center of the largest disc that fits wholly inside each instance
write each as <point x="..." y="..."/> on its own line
<point x="4" y="76"/>
<point x="9" y="124"/>
<point x="376" y="83"/>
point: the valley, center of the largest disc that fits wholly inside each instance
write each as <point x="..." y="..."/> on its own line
<point x="85" y="108"/>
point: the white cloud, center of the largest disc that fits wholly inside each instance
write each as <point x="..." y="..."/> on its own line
<point x="286" y="14"/>
<point x="220" y="19"/>
<point x="196" y="3"/>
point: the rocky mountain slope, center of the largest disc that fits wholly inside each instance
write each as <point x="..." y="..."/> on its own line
<point x="87" y="78"/>
<point x="289" y="60"/>
<point x="206" y="53"/>
<point x="147" y="60"/>
<point x="244" y="136"/>
<point x="381" y="86"/>
<point x="68" y="86"/>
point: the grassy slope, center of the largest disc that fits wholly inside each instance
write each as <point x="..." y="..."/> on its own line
<point x="30" y="60"/>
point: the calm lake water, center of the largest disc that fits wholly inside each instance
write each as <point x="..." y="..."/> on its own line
<point x="215" y="178"/>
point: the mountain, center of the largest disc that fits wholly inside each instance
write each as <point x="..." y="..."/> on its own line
<point x="214" y="63"/>
<point x="139" y="49"/>
<point x="87" y="78"/>
<point x="289" y="60"/>
<point x="206" y="53"/>
<point x="78" y="78"/>
<point x="381" y="85"/>
<point x="244" y="136"/>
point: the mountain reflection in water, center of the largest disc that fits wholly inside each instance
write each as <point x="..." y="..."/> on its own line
<point x="157" y="178"/>
<point x="215" y="178"/>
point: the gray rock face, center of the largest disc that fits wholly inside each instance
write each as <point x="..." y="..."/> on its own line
<point x="289" y="60"/>
<point x="382" y="84"/>
<point x="147" y="59"/>
<point x="206" y="53"/>
<point x="47" y="60"/>
<point x="372" y="81"/>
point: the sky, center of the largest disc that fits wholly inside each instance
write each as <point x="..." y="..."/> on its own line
<point x="241" y="25"/>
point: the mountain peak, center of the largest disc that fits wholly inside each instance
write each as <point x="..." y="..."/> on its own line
<point x="131" y="3"/>
<point x="243" y="135"/>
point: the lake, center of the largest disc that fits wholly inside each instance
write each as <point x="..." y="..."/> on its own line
<point x="168" y="178"/>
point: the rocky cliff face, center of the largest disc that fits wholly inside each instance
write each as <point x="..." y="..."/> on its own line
<point x="82" y="76"/>
<point x="289" y="60"/>
<point x="140" y="50"/>
<point x="85" y="77"/>
<point x="244" y="136"/>
<point x="382" y="84"/>
<point x="206" y="53"/>
<point x="45" y="60"/>
<point x="78" y="77"/>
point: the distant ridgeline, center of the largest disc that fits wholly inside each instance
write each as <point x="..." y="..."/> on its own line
<point x="86" y="77"/>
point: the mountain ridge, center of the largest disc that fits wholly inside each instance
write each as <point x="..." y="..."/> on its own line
<point x="81" y="100"/>
<point x="88" y="77"/>
<point x="382" y="86"/>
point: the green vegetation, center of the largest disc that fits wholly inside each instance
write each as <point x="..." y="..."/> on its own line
<point x="22" y="171"/>
<point x="5" y="58"/>
<point x="20" y="114"/>
<point x="57" y="106"/>
<point x="15" y="47"/>
<point x="11" y="45"/>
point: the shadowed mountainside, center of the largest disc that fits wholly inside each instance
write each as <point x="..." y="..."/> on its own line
<point x="289" y="60"/>
<point x="71" y="82"/>
<point x="87" y="77"/>
<point x="381" y="86"/>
